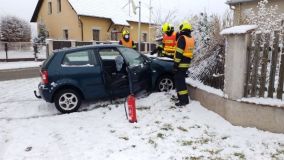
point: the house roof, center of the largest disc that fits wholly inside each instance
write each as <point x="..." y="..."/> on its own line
<point x="35" y="14"/>
<point x="238" y="1"/>
<point x="110" y="9"/>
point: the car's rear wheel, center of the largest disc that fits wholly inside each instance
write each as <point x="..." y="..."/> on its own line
<point x="165" y="84"/>
<point x="67" y="101"/>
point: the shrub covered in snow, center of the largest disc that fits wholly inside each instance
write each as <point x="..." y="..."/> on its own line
<point x="208" y="63"/>
<point x="42" y="34"/>
<point x="14" y="29"/>
<point x="266" y="17"/>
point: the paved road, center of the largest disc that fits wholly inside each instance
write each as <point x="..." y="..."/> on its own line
<point x="12" y="74"/>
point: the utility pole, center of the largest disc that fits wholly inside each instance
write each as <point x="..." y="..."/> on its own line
<point x="139" y="28"/>
<point x="150" y="13"/>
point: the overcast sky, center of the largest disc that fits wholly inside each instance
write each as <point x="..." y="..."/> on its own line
<point x="25" y="8"/>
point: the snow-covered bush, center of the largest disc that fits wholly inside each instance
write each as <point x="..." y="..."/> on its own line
<point x="208" y="63"/>
<point x="14" y="29"/>
<point x="42" y="34"/>
<point x="266" y="17"/>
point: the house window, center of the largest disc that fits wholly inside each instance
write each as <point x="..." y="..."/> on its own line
<point x="114" y="36"/>
<point x="58" y="6"/>
<point x="96" y="35"/>
<point x="65" y="34"/>
<point x="144" y="37"/>
<point x="49" y="8"/>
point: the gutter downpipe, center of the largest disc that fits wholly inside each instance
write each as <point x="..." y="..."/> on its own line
<point x="82" y="28"/>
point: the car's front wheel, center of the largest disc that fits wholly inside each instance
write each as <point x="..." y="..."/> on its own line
<point x="67" y="101"/>
<point x="165" y="84"/>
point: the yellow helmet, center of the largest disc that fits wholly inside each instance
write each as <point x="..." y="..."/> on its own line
<point x="166" y="27"/>
<point x="125" y="32"/>
<point x="185" y="25"/>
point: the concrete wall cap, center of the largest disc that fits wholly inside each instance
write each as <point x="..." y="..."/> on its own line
<point x="243" y="29"/>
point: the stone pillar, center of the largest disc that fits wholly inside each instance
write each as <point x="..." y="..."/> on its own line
<point x="73" y="43"/>
<point x="49" y="49"/>
<point x="236" y="60"/>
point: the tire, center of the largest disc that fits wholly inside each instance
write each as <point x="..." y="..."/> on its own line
<point x="165" y="84"/>
<point x="67" y="101"/>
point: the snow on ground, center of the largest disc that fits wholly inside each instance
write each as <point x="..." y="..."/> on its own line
<point x="33" y="129"/>
<point x="198" y="84"/>
<point x="20" y="64"/>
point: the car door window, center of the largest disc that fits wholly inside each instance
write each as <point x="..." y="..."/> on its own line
<point x="78" y="58"/>
<point x="133" y="57"/>
<point x="109" y="53"/>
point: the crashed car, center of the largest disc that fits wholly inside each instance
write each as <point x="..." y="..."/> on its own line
<point x="98" y="72"/>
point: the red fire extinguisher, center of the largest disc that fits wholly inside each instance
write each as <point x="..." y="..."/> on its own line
<point x="131" y="109"/>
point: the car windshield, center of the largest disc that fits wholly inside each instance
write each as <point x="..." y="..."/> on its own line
<point x="133" y="57"/>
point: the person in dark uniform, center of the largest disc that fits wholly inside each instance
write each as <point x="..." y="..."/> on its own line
<point x="126" y="40"/>
<point x="182" y="59"/>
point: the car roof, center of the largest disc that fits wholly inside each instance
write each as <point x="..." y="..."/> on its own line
<point x="87" y="47"/>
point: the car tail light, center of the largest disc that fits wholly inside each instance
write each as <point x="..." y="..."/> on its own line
<point x="44" y="77"/>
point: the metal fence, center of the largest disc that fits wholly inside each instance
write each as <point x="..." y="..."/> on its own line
<point x="265" y="72"/>
<point x="17" y="46"/>
<point x="23" y="51"/>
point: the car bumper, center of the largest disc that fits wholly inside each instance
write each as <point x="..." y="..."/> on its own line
<point x="45" y="92"/>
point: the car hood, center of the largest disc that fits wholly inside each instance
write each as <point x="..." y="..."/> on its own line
<point x="162" y="63"/>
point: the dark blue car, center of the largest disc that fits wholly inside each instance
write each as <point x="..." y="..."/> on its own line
<point x="97" y="72"/>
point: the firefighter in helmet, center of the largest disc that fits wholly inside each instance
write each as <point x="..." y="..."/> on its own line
<point x="126" y="40"/>
<point x="182" y="58"/>
<point x="167" y="48"/>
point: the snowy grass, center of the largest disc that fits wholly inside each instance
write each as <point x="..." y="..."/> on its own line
<point x="33" y="129"/>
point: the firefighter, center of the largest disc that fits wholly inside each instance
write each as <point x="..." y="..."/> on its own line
<point x="126" y="40"/>
<point x="182" y="59"/>
<point x="167" y="48"/>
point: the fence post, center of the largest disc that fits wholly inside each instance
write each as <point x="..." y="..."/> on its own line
<point x="264" y="65"/>
<point x="281" y="78"/>
<point x="237" y="41"/>
<point x="49" y="49"/>
<point x="256" y="56"/>
<point x="6" y="50"/>
<point x="274" y="59"/>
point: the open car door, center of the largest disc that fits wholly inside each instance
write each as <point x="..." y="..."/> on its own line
<point x="114" y="72"/>
<point x="138" y="68"/>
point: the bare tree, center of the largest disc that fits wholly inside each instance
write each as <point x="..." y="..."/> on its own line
<point x="14" y="29"/>
<point x="159" y="19"/>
